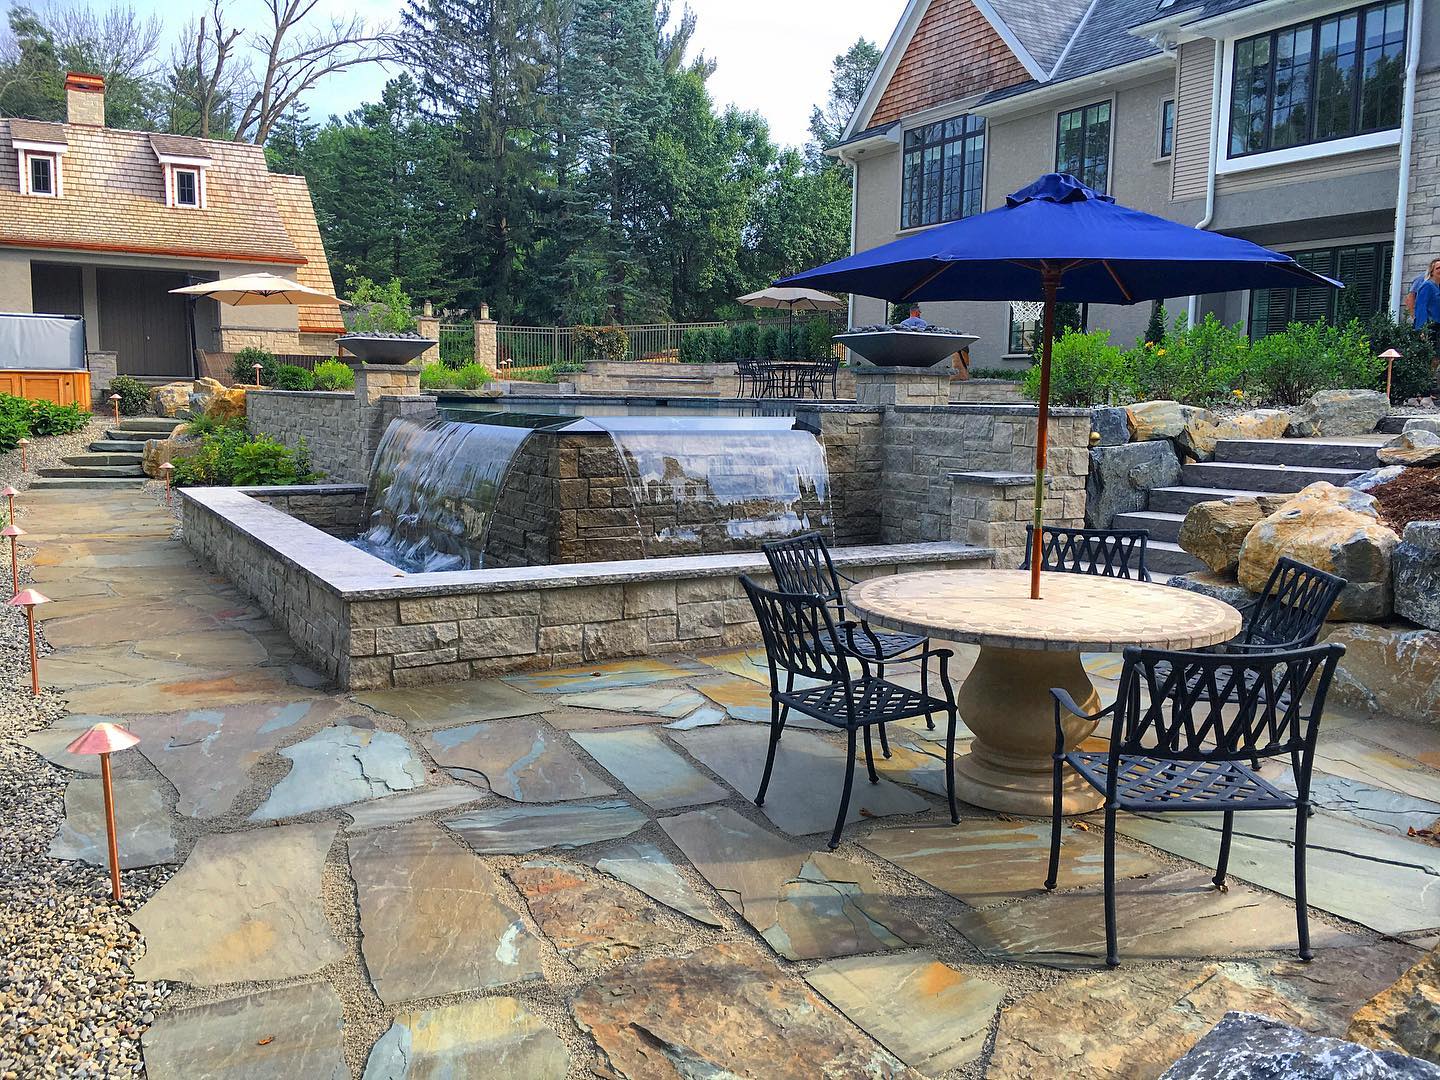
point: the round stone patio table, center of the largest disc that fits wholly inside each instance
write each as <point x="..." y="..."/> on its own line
<point x="1026" y="647"/>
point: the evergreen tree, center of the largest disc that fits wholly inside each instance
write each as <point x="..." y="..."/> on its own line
<point x="32" y="78"/>
<point x="850" y="74"/>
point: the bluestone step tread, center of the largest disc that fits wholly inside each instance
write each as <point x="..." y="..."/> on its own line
<point x="1264" y="478"/>
<point x="1177" y="500"/>
<point x="150" y="425"/>
<point x="1300" y="453"/>
<point x="91" y="482"/>
<point x="138" y="438"/>
<point x="1162" y="557"/>
<point x="103" y="458"/>
<point x="117" y="446"/>
<point x="1160" y="525"/>
<point x="92" y="470"/>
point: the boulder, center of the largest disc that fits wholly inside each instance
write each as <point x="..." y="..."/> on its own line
<point x="1149" y="420"/>
<point x="1121" y="478"/>
<point x="1404" y="1019"/>
<point x="203" y="393"/>
<point x="1202" y="432"/>
<point x="1339" y="412"/>
<point x="1222" y="587"/>
<point x="1367" y="481"/>
<point x="180" y="444"/>
<point x="1214" y="531"/>
<point x="1418" y="447"/>
<point x="1423" y="423"/>
<point x="228" y="403"/>
<point x="1111" y="424"/>
<point x="172" y="399"/>
<point x="1391" y="670"/>
<point x="1416" y="567"/>
<point x="1332" y="528"/>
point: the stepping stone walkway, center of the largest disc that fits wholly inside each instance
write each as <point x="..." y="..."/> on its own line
<point x="649" y="769"/>
<point x="806" y="905"/>
<point x="341" y="765"/>
<point x="144" y="832"/>
<point x="495" y="1036"/>
<point x="280" y="1034"/>
<point x="245" y="907"/>
<point x="647" y="868"/>
<point x="428" y="708"/>
<point x="431" y="919"/>
<point x="517" y="759"/>
<point x="607" y="676"/>
<point x="409" y="805"/>
<point x="521" y="829"/>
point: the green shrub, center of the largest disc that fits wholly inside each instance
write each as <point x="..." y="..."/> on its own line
<point x="819" y="343"/>
<point x="230" y="456"/>
<point x="134" y="394"/>
<point x="333" y="375"/>
<point x="242" y="367"/>
<point x="12" y="430"/>
<point x="694" y="346"/>
<point x="1288" y="367"/>
<point x="1085" y="369"/>
<point x="436" y="376"/>
<point x="1008" y="374"/>
<point x="745" y="342"/>
<point x="380" y="309"/>
<point x="601" y="343"/>
<point x="292" y="377"/>
<point x="1199" y="365"/>
<point x="41" y="418"/>
<point x="1414" y="375"/>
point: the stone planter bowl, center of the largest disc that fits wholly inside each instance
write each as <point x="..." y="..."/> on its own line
<point x="373" y="349"/>
<point x="904" y="348"/>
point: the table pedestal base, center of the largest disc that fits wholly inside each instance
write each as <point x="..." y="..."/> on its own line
<point x="1006" y="702"/>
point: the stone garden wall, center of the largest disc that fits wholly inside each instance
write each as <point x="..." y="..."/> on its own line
<point x="337" y="509"/>
<point x="326" y="421"/>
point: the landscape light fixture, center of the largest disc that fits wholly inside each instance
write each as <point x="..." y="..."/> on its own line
<point x="115" y="404"/>
<point x="257" y="375"/>
<point x="104" y="739"/>
<point x="24" y="445"/>
<point x="9" y="493"/>
<point x="14" y="532"/>
<point x="30" y="599"/>
<point x="1389" y="356"/>
<point x="167" y="469"/>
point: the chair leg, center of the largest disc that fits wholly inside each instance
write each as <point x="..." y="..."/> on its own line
<point x="884" y="741"/>
<point x="1057" y="804"/>
<point x="845" y="795"/>
<point x="950" y="766"/>
<point x="1224" y="860"/>
<point x="776" y="723"/>
<point x="1302" y="909"/>
<point x="1112" y="944"/>
<point x="870" y="759"/>
<point x="925" y="690"/>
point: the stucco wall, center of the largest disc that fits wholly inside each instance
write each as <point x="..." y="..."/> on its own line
<point x="15" y="281"/>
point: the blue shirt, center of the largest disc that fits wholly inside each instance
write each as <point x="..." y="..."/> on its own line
<point x="1427" y="304"/>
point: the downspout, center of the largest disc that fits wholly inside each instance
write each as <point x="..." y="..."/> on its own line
<point x="1402" y="188"/>
<point x="854" y="167"/>
<point x="1193" y="312"/>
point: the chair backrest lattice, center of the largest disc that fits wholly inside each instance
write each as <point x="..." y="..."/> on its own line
<point x="1220" y="706"/>
<point x="793" y="625"/>
<point x="802" y="564"/>
<point x="1116" y="553"/>
<point x="1291" y="611"/>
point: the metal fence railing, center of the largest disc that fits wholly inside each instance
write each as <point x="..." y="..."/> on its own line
<point x="457" y="343"/>
<point x="560" y="346"/>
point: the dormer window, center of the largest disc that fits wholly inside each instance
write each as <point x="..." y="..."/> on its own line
<point x="187" y="187"/>
<point x="184" y="162"/>
<point x="42" y="173"/>
<point x="39" y="148"/>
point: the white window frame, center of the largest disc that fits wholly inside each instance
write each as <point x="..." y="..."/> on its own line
<point x="1112" y="100"/>
<point x="196" y="165"/>
<point x="1224" y="163"/>
<point x="54" y="152"/>
<point x="175" y="173"/>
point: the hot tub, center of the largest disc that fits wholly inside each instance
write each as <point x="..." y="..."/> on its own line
<point x="42" y="357"/>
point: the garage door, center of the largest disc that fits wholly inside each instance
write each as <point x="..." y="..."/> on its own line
<point x="146" y="327"/>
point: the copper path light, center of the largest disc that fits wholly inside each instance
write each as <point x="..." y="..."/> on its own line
<point x="104" y="739"/>
<point x="30" y="599"/>
<point x="1389" y="356"/>
<point x="166" y="468"/>
<point x="14" y="532"/>
<point x="9" y="493"/>
<point x="115" y="404"/>
<point x="24" y="445"/>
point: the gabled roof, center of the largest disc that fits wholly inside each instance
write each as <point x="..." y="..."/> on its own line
<point x="37" y="131"/>
<point x="297" y="212"/>
<point x="1043" y="29"/>
<point x="180" y="146"/>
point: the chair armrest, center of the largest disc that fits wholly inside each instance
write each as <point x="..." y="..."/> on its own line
<point x="1063" y="700"/>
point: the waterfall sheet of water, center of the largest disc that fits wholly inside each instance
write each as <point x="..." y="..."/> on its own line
<point x="432" y="490"/>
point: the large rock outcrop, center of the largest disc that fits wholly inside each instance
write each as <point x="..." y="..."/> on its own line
<point x="1391" y="670"/>
<point x="1417" y="574"/>
<point x="172" y="399"/>
<point x="1121" y="478"/>
<point x="1404" y="1019"/>
<point x="1109" y="426"/>
<point x="1373" y="478"/>
<point x="1412" y="447"/>
<point x="1339" y="412"/>
<point x="1202" y="432"/>
<point x="180" y="444"/>
<point x="1151" y="420"/>
<point x="1213" y="531"/>
<point x="202" y="393"/>
<point x="1222" y="587"/>
<point x="226" y="404"/>
<point x="1335" y="529"/>
<point x="1254" y="1046"/>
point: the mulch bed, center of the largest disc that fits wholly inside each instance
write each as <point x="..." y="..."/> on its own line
<point x="1414" y="495"/>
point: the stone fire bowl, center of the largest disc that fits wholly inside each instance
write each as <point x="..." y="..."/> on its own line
<point x="904" y="348"/>
<point x="384" y="350"/>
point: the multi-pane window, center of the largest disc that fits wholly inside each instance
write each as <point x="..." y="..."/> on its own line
<point x="1082" y="145"/>
<point x="944" y="171"/>
<point x="1167" y="128"/>
<point x="1325" y="79"/>
<point x="187" y="187"/>
<point x="1363" y="268"/>
<point x="42" y="174"/>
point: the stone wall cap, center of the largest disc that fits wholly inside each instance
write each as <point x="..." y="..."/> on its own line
<point x="990" y="408"/>
<point x="302" y="489"/>
<point x="994" y="479"/>
<point x="346" y="395"/>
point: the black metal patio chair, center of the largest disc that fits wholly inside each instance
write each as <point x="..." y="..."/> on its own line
<point x="1291" y="612"/>
<point x="1183" y="726"/>
<point x="793" y="627"/>
<point x="802" y="564"/>
<point x="1117" y="553"/>
<point x="748" y="378"/>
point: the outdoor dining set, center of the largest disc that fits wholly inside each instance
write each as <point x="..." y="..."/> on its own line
<point x="788" y="379"/>
<point x="1206" y="693"/>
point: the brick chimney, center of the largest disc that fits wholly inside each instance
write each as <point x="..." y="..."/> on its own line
<point x="85" y="99"/>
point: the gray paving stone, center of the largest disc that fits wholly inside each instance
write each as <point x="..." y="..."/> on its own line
<point x="516" y="830"/>
<point x="647" y="868"/>
<point x="341" y="765"/>
<point x="145" y="833"/>
<point x="1357" y="760"/>
<point x="427" y="708"/>
<point x="1377" y="807"/>
<point x="706" y="716"/>
<point x="804" y="794"/>
<point x="408" y="805"/>
<point x="431" y="919"/>
<point x="650" y="769"/>
<point x="280" y="1034"/>
<point x="604" y="676"/>
<point x="668" y="701"/>
<point x="518" y="759"/>
<point x="245" y="907"/>
<point x="496" y="1036"/>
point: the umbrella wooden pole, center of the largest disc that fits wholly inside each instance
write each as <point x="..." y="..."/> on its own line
<point x="1042" y="429"/>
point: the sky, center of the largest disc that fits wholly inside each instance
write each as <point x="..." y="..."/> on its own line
<point x="774" y="55"/>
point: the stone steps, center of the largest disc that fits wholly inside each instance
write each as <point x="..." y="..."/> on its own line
<point x="154" y="425"/>
<point x="1301" y="453"/>
<point x="102" y="457"/>
<point x="116" y="446"/>
<point x="1243" y="476"/>
<point x="72" y="483"/>
<point x="93" y="471"/>
<point x="1178" y="500"/>
<point x="1163" y="558"/>
<point x="134" y="438"/>
<point x="1163" y="527"/>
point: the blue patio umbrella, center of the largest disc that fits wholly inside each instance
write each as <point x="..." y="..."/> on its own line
<point x="1057" y="240"/>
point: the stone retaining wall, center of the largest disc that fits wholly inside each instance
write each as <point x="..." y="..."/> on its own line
<point x="325" y="420"/>
<point x="680" y="380"/>
<point x="338" y="509"/>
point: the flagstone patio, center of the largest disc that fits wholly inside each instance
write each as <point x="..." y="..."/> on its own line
<point x="562" y="873"/>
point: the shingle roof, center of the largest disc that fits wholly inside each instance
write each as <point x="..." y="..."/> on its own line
<point x="40" y="131"/>
<point x="114" y="200"/>
<point x="1043" y="28"/>
<point x="292" y="196"/>
<point x="179" y="146"/>
<point x="1198" y="9"/>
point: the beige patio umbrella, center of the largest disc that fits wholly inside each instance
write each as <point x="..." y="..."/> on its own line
<point x="249" y="289"/>
<point x="792" y="300"/>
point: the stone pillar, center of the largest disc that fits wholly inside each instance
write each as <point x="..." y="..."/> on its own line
<point x="383" y="392"/>
<point x="486" y="348"/>
<point x="102" y="370"/>
<point x="1422" y="219"/>
<point x="902" y="386"/>
<point x="991" y="509"/>
<point x="427" y="325"/>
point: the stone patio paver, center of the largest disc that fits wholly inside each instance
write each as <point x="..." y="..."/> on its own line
<point x="804" y="794"/>
<point x="609" y="675"/>
<point x="645" y="867"/>
<point x="1367" y="804"/>
<point x="672" y="702"/>
<point x="658" y="1019"/>
<point x="926" y="1013"/>
<point x="245" y="907"/>
<point x="162" y="659"/>
<point x="807" y="905"/>
<point x="408" y="805"/>
<point x="983" y="861"/>
<point x="427" y="708"/>
<point x="145" y="833"/>
<point x="745" y="700"/>
<point x="205" y="691"/>
<point x="705" y="716"/>
<point x="649" y="769"/>
<point x="431" y="919"/>
<point x="50" y="743"/>
<point x="1179" y="914"/>
<point x="518" y="830"/>
<point x="589" y="921"/>
<point x="496" y="1036"/>
<point x="279" y="1034"/>
<point x="341" y="765"/>
<point x="1378" y="767"/>
<point x="517" y="759"/>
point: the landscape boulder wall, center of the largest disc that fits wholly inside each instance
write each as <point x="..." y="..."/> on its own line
<point x="1334" y="529"/>
<point x="1222" y="587"/>
<point x="1109" y="426"/>
<point x="1151" y="420"/>
<point x="1416" y="567"/>
<point x="1203" y="431"/>
<point x="202" y="393"/>
<point x="1390" y="670"/>
<point x="1339" y="412"/>
<point x="1214" y="531"/>
<point x="1121" y="477"/>
<point x="158" y="451"/>
<point x="1412" y="447"/>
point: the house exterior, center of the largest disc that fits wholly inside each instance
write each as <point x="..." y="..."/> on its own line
<point x="1299" y="124"/>
<point x="101" y="222"/>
